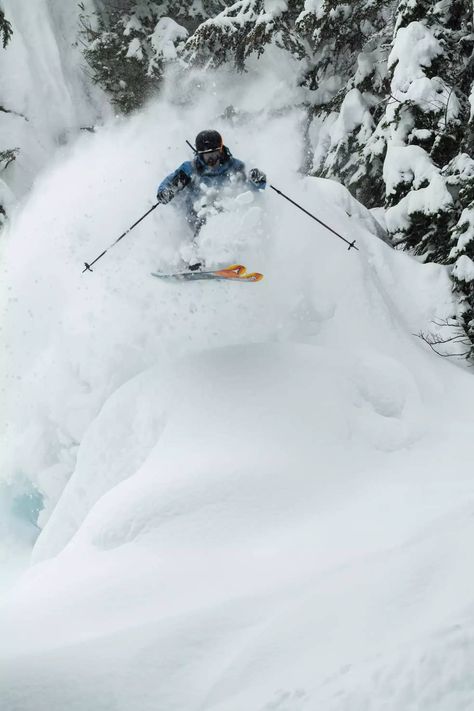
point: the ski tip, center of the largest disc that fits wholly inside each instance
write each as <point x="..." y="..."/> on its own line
<point x="238" y="272"/>
<point x="233" y="270"/>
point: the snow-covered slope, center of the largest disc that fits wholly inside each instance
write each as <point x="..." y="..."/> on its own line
<point x="269" y="492"/>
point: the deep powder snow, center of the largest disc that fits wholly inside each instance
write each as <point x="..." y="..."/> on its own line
<point x="255" y="497"/>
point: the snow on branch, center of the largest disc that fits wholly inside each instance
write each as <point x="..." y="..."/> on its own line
<point x="243" y="28"/>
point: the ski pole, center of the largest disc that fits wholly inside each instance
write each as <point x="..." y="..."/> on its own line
<point x="88" y="266"/>
<point x="351" y="244"/>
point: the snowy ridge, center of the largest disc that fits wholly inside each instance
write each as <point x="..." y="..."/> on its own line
<point x="250" y="494"/>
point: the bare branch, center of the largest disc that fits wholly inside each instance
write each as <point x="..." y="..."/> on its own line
<point x="433" y="340"/>
<point x="3" y="110"/>
<point x="446" y="109"/>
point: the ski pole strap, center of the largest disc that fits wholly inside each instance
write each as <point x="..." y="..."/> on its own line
<point x="351" y="244"/>
<point x="88" y="266"/>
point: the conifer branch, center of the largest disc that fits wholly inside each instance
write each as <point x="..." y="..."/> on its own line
<point x="6" y="30"/>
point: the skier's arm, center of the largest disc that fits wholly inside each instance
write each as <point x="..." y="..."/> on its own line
<point x="174" y="182"/>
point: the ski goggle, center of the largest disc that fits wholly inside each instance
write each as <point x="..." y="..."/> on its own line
<point x="211" y="157"/>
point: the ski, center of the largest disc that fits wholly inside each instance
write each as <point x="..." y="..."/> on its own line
<point x="236" y="272"/>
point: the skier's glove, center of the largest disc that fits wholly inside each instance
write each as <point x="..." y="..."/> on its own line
<point x="175" y="184"/>
<point x="258" y="178"/>
<point x="164" y="196"/>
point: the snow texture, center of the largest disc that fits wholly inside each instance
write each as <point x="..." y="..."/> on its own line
<point x="464" y="269"/>
<point x="414" y="49"/>
<point x="315" y="7"/>
<point x="273" y="8"/>
<point x="165" y="36"/>
<point x="466" y="228"/>
<point x="353" y="113"/>
<point x="412" y="165"/>
<point x="135" y="49"/>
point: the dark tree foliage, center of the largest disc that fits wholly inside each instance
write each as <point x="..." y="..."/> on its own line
<point x="241" y="29"/>
<point x="339" y="33"/>
<point x="120" y="50"/>
<point x="106" y="51"/>
<point x="447" y="236"/>
<point x="409" y="11"/>
<point x="6" y="30"/>
<point x="348" y="51"/>
<point x="9" y="155"/>
<point x="446" y="133"/>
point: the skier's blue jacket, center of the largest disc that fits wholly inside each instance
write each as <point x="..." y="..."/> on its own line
<point x="192" y="174"/>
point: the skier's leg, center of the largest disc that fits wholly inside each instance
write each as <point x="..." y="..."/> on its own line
<point x="196" y="223"/>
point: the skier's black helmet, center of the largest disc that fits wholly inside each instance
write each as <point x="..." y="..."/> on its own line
<point x="208" y="141"/>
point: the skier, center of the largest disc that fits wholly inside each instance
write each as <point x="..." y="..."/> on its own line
<point x="213" y="167"/>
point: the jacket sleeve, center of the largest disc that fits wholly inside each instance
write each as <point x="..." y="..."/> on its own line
<point x="176" y="181"/>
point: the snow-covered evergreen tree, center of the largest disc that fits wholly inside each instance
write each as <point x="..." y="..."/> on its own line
<point x="7" y="155"/>
<point x="388" y="116"/>
<point x="429" y="177"/>
<point x="391" y="115"/>
<point x="461" y="182"/>
<point x="347" y="78"/>
<point x="5" y="29"/>
<point x="127" y="46"/>
<point x="243" y="28"/>
<point x="429" y="66"/>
